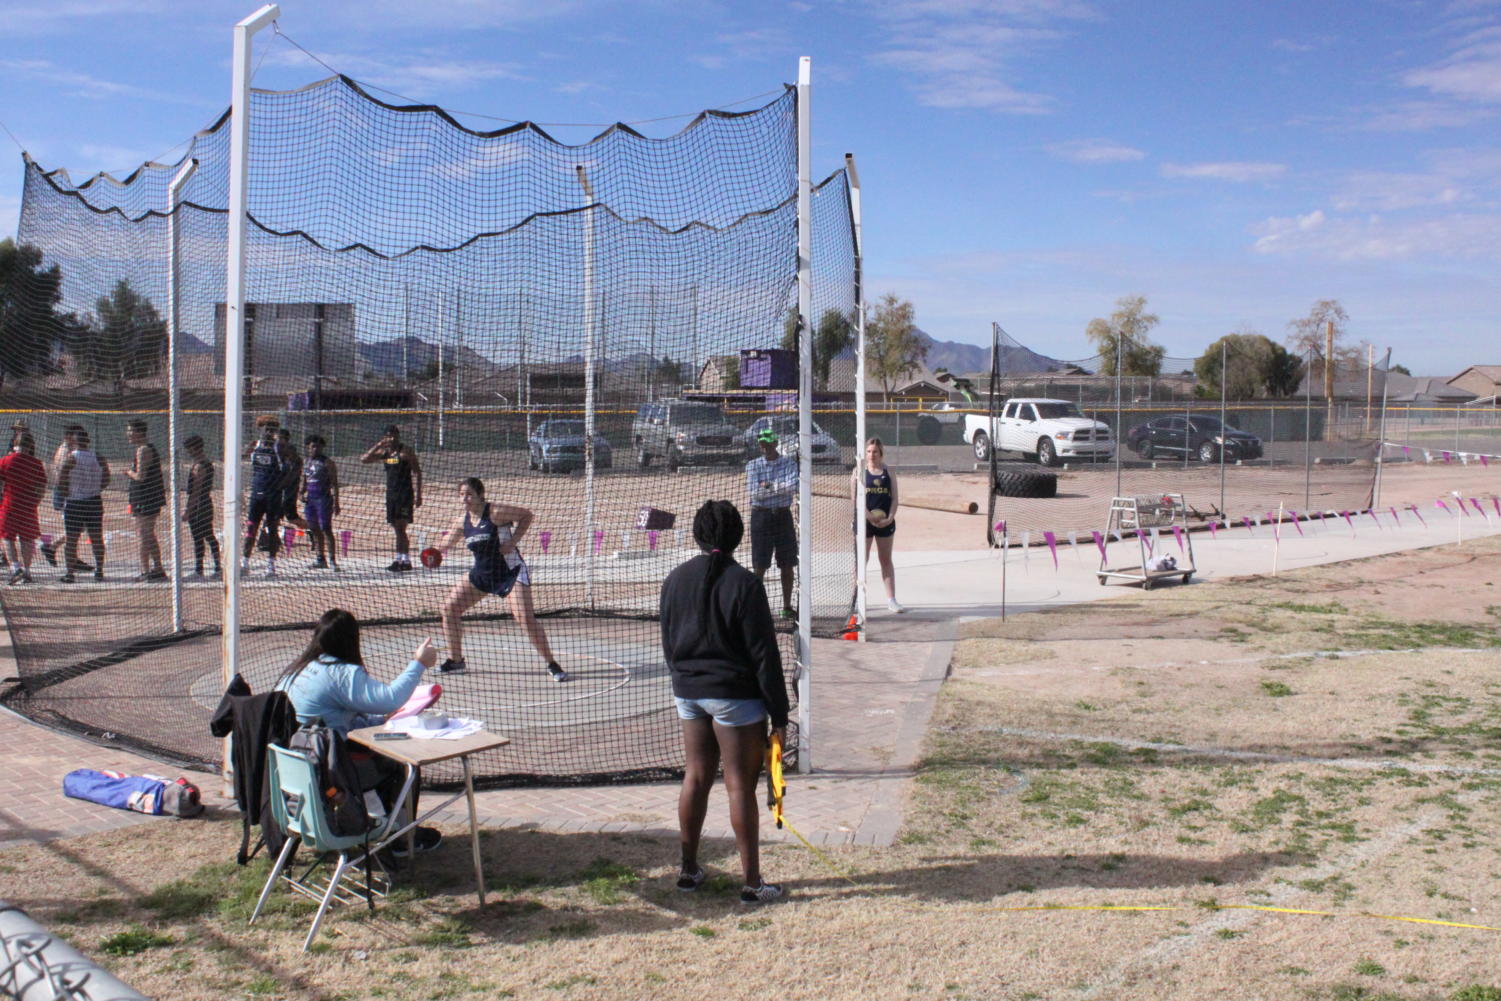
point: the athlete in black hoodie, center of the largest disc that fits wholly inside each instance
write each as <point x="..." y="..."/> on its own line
<point x="721" y="648"/>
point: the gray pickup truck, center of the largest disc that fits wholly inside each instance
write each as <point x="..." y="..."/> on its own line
<point x="685" y="433"/>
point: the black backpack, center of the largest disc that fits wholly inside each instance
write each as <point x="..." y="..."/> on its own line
<point x="341" y="799"/>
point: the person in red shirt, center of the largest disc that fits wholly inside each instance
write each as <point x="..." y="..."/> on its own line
<point x="25" y="480"/>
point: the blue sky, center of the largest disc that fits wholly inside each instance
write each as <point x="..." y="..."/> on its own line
<point x="1023" y="161"/>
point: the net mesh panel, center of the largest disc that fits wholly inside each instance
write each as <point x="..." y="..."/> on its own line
<point x="402" y="269"/>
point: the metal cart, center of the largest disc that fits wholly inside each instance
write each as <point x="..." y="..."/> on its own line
<point x="1140" y="515"/>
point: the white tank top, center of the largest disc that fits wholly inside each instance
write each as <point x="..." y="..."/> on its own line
<point x="86" y="478"/>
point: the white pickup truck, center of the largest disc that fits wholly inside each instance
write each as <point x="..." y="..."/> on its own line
<point x="1049" y="430"/>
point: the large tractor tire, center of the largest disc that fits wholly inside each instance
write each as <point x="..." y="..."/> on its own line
<point x="1025" y="483"/>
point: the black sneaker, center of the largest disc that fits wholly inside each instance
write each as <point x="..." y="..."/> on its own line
<point x="451" y="666"/>
<point x="79" y="566"/>
<point x="16" y="577"/>
<point x="157" y="574"/>
<point x="68" y="578"/>
<point x="99" y="575"/>
<point x="426" y="839"/>
<point x="399" y="566"/>
<point x="557" y="672"/>
<point x="320" y="564"/>
<point x="766" y="893"/>
<point x="49" y="552"/>
<point x="690" y="881"/>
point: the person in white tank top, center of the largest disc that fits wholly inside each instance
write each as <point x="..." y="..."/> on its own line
<point x="83" y="478"/>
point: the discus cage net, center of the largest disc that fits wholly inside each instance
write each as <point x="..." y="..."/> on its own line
<point x="521" y="309"/>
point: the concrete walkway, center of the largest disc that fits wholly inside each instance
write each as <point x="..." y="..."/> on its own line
<point x="871" y="701"/>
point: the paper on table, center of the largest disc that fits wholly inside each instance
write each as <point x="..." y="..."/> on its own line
<point x="456" y="727"/>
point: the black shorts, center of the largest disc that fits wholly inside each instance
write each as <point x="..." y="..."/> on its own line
<point x="772" y="534"/>
<point x="267" y="507"/>
<point x="871" y="532"/>
<point x="85" y="516"/>
<point x="399" y="507"/>
<point x="289" y="503"/>
<point x="146" y="504"/>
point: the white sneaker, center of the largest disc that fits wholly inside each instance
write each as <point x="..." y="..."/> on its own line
<point x="892" y="606"/>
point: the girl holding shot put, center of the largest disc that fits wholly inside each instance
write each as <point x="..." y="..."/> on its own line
<point x="880" y="512"/>
<point x="490" y="533"/>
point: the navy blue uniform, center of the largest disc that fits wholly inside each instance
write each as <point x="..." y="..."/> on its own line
<point x="878" y="498"/>
<point x="267" y="471"/>
<point x="493" y="572"/>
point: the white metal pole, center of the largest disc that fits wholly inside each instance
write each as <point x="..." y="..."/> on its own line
<point x="1386" y="368"/>
<point x="590" y="324"/>
<point x="805" y="412"/>
<point x="174" y="390"/>
<point x="442" y="337"/>
<point x="862" y="577"/>
<point x="234" y="324"/>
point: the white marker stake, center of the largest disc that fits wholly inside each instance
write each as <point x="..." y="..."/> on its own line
<point x="1277" y="540"/>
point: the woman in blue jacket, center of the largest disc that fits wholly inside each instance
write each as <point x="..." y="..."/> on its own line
<point x="329" y="682"/>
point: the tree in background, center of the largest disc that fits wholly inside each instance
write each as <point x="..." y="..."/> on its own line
<point x="1306" y="334"/>
<point x="1122" y="342"/>
<point x="127" y="340"/>
<point x="834" y="336"/>
<point x="1255" y="366"/>
<point x="1402" y="369"/>
<point x="29" y="322"/>
<point x="893" y="350"/>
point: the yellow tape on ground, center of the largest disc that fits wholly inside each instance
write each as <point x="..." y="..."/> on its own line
<point x="844" y="874"/>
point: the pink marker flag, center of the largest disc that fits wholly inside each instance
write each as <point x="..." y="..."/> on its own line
<point x="1271" y="518"/>
<point x="1462" y="509"/>
<point x="1052" y="541"/>
<point x="1295" y="522"/>
<point x="1099" y="541"/>
<point x="1418" y="515"/>
<point x="1406" y="450"/>
<point x="1446" y="456"/>
<point x="651" y="541"/>
<point x="1178" y="534"/>
<point x="1393" y="510"/>
<point x="289" y="537"/>
<point x="1346" y="515"/>
<point x="1000" y="527"/>
<point x="1214" y="532"/>
<point x="1439" y="502"/>
<point x="1373" y="517"/>
<point x="1478" y="509"/>
<point x="599" y="540"/>
<point x="1485" y="461"/>
<point x="1247" y="522"/>
<point x="1145" y="539"/>
<point x="345" y="538"/>
<point x="544" y="539"/>
<point x="1496" y="503"/>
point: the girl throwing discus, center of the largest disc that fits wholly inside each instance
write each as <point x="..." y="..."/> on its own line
<point x="490" y="532"/>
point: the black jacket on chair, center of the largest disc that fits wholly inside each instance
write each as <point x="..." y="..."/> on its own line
<point x="255" y="722"/>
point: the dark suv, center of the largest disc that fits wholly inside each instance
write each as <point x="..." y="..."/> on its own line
<point x="685" y="433"/>
<point x="1205" y="437"/>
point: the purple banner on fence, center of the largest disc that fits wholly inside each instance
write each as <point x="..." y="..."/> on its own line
<point x="1099" y="541"/>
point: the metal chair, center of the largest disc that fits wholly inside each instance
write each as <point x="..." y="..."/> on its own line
<point x="294" y="803"/>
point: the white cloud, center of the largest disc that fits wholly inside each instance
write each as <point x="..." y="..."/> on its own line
<point x="420" y="76"/>
<point x="1471" y="73"/>
<point x="962" y="53"/>
<point x="1420" y="116"/>
<point x="1095" y="151"/>
<point x="1375" y="238"/>
<point x="1378" y="191"/>
<point x="1295" y="45"/>
<point x="1238" y="172"/>
<point x="82" y="84"/>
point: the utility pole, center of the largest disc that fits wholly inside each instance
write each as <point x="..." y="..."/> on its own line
<point x="1328" y="373"/>
<point x="1370" y="373"/>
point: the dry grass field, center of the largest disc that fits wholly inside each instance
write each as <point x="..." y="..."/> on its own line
<point x="1104" y="790"/>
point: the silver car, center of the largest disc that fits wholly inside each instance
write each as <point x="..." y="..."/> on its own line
<point x="685" y="433"/>
<point x="824" y="447"/>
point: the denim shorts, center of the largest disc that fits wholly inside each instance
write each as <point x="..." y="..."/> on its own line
<point x="726" y="712"/>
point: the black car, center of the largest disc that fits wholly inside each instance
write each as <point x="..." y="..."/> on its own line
<point x="1204" y="437"/>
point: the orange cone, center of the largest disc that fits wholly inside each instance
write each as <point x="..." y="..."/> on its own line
<point x="852" y="628"/>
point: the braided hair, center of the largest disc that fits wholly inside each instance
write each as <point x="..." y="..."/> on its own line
<point x="718" y="529"/>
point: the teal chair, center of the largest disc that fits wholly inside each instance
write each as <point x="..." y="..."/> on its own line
<point x="294" y="804"/>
